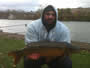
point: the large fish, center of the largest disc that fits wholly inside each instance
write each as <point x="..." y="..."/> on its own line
<point x="45" y="49"/>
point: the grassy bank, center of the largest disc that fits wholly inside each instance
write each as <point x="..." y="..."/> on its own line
<point x="7" y="43"/>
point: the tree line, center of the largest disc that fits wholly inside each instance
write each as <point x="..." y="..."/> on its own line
<point x="19" y="14"/>
<point x="74" y="14"/>
<point x="66" y="14"/>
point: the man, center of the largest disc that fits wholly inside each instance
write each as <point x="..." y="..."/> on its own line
<point x="47" y="28"/>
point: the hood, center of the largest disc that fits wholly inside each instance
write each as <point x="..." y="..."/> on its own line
<point x="49" y="26"/>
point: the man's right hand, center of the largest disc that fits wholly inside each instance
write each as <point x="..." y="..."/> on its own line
<point x="34" y="56"/>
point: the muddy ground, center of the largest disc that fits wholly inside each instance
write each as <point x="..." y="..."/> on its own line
<point x="21" y="37"/>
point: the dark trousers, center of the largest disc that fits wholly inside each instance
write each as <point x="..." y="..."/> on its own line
<point x="56" y="63"/>
<point x="28" y="63"/>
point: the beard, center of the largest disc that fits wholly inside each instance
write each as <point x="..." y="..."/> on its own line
<point x="50" y="21"/>
<point x="49" y="24"/>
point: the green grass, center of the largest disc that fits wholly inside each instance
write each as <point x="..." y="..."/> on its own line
<point x="81" y="60"/>
<point x="7" y="45"/>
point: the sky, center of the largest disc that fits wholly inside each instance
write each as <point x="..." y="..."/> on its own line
<point x="33" y="5"/>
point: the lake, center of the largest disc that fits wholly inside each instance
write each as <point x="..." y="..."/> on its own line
<point x="80" y="31"/>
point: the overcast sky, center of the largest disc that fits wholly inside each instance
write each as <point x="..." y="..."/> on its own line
<point x="33" y="5"/>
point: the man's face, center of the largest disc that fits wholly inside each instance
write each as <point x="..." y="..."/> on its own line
<point x="49" y="17"/>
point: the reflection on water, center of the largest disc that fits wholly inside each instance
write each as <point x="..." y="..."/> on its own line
<point x="80" y="31"/>
<point x="14" y="26"/>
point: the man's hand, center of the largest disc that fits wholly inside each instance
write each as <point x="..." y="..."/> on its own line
<point x="34" y="56"/>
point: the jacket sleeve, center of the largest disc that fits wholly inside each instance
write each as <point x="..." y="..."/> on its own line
<point x="31" y="35"/>
<point x="65" y="36"/>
